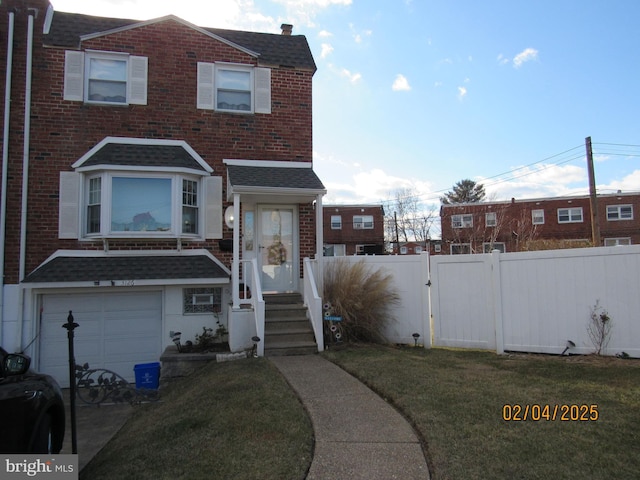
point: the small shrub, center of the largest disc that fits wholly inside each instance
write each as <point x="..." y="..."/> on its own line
<point x="362" y="296"/>
<point x="599" y="328"/>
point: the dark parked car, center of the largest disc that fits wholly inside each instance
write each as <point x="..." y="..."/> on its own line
<point x="31" y="408"/>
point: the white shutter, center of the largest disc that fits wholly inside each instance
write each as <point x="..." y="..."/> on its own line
<point x="137" y="84"/>
<point x="68" y="214"/>
<point x="262" y="79"/>
<point x="213" y="210"/>
<point x="205" y="86"/>
<point x="73" y="76"/>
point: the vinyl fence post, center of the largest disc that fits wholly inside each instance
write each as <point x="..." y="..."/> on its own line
<point x="496" y="281"/>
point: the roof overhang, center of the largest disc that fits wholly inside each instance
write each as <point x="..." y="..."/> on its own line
<point x="74" y="268"/>
<point x="273" y="181"/>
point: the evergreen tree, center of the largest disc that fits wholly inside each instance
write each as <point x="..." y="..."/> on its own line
<point x="465" y="191"/>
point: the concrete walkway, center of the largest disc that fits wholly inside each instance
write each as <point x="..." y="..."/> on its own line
<point x="357" y="434"/>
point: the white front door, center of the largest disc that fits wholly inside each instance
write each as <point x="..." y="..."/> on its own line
<point x="278" y="247"/>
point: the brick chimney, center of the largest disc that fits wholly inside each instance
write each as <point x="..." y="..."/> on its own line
<point x="286" y="29"/>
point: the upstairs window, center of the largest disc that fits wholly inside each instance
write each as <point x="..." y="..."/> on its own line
<point x="570" y="215"/>
<point x="462" y="221"/>
<point x="336" y="222"/>
<point x="105" y="78"/>
<point x="361" y="222"/>
<point x="619" y="212"/>
<point x="537" y="217"/>
<point x="233" y="88"/>
<point x="490" y="219"/>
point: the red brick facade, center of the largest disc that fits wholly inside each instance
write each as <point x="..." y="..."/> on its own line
<point x="63" y="131"/>
<point x="357" y="237"/>
<point x="539" y="224"/>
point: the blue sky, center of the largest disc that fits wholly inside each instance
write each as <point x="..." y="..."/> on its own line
<point x="419" y="94"/>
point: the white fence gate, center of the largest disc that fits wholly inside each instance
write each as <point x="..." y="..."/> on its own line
<point x="410" y="277"/>
<point x="536" y="301"/>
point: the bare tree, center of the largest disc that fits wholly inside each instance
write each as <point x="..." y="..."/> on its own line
<point x="407" y="218"/>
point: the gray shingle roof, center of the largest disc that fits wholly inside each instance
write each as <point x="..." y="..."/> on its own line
<point x="272" y="177"/>
<point x="120" y="267"/>
<point x="143" y="155"/>
<point x="274" y="49"/>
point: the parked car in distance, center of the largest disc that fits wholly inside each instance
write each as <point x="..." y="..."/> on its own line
<point x="31" y="408"/>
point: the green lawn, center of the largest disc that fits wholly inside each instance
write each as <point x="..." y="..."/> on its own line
<point x="235" y="420"/>
<point x="456" y="399"/>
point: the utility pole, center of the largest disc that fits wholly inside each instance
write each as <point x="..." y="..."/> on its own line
<point x="595" y="218"/>
<point x="395" y="222"/>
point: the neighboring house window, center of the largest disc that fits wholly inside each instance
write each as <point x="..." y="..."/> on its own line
<point x="614" y="242"/>
<point x="490" y="219"/>
<point x="437" y="248"/>
<point x="460" y="248"/>
<point x="362" y="222"/>
<point x="490" y="247"/>
<point x="335" y="250"/>
<point x="403" y="250"/>
<point x="537" y="217"/>
<point x="234" y="88"/>
<point x="418" y="249"/>
<point x="202" y="300"/>
<point x="462" y="221"/>
<point x="105" y="78"/>
<point x="619" y="212"/>
<point x="336" y="222"/>
<point x="570" y="215"/>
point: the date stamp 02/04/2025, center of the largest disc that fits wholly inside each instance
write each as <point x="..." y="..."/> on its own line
<point x="537" y="412"/>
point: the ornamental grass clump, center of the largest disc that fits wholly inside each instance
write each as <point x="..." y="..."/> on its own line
<point x="363" y="296"/>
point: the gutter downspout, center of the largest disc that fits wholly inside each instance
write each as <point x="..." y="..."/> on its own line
<point x="5" y="162"/>
<point x="25" y="175"/>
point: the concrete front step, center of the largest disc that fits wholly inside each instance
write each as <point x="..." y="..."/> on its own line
<point x="287" y="328"/>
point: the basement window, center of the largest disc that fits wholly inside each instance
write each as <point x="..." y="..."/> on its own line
<point x="202" y="300"/>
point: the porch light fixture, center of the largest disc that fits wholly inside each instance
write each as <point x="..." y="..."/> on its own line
<point x="228" y="217"/>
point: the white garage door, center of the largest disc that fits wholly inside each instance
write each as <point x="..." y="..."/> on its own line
<point x="116" y="331"/>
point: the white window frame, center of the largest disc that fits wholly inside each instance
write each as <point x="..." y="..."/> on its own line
<point x="488" y="247"/>
<point x="615" y="212"/>
<point x="336" y="222"/>
<point x="463" y="220"/>
<point x="175" y="231"/>
<point x="337" y="250"/>
<point x="537" y="216"/>
<point x="418" y="249"/>
<point x="198" y="301"/>
<point x="77" y="79"/>
<point x="460" y="245"/>
<point x="404" y="250"/>
<point x="363" y="222"/>
<point x="490" y="219"/>
<point x="207" y="91"/>
<point x="573" y="214"/>
<point x="614" y="242"/>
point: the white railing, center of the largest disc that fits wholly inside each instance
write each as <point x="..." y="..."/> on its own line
<point x="313" y="301"/>
<point x="252" y="284"/>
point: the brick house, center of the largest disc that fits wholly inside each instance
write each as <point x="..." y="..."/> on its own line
<point x="353" y="230"/>
<point x="537" y="224"/>
<point x="156" y="163"/>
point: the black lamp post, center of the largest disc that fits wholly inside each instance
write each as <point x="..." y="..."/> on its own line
<point x="71" y="326"/>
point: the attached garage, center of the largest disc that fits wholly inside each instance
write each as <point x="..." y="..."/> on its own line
<point x="117" y="330"/>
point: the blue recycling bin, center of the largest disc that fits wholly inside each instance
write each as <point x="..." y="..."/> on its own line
<point x="147" y="375"/>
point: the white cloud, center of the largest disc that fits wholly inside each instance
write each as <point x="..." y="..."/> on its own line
<point x="462" y="92"/>
<point x="401" y="84"/>
<point x="353" y="77"/>
<point x="502" y="60"/>
<point x="325" y="34"/>
<point x="326" y="50"/>
<point x="526" y="55"/>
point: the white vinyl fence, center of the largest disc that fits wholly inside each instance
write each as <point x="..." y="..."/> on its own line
<point x="527" y="302"/>
<point x="410" y="278"/>
<point x="536" y="301"/>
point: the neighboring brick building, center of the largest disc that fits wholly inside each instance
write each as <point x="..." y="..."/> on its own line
<point x="536" y="224"/>
<point x="353" y="230"/>
<point x="140" y="135"/>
